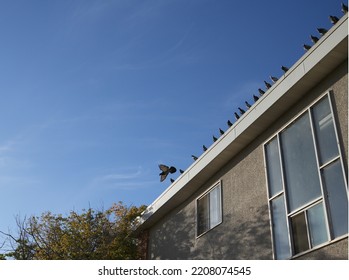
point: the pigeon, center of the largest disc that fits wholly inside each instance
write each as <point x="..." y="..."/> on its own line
<point x="255" y="98"/>
<point x="236" y="116"/>
<point x="333" y="19"/>
<point x="322" y="31"/>
<point x="241" y="110"/>
<point x="284" y="68"/>
<point x="214" y="138"/>
<point x="344" y="8"/>
<point x="221" y="131"/>
<point x="261" y="92"/>
<point x="172" y="180"/>
<point x="314" y="39"/>
<point x="194" y="157"/>
<point x="248" y="105"/>
<point x="165" y="171"/>
<point x="274" y="79"/>
<point x="181" y="171"/>
<point x="229" y="123"/>
<point x="306" y="47"/>
<point x="204" y="148"/>
<point x="267" y="84"/>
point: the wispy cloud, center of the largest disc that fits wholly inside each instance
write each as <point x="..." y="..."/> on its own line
<point x="177" y="52"/>
<point x="121" y="176"/>
<point x="6" y="147"/>
<point x="123" y="179"/>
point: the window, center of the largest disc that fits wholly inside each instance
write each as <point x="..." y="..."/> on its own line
<point x="209" y="210"/>
<point x="307" y="187"/>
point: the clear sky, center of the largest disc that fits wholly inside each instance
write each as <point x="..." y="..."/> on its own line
<point x="96" y="93"/>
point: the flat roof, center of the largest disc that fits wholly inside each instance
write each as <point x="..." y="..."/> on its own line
<point x="324" y="56"/>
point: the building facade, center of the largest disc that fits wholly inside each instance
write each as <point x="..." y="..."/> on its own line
<point x="274" y="186"/>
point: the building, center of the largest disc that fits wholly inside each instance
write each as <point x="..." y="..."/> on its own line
<point x="274" y="186"/>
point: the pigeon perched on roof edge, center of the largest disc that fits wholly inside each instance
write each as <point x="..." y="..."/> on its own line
<point x="333" y="19"/>
<point x="314" y="39"/>
<point x="284" y="68"/>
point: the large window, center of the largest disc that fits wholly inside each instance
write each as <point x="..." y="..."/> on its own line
<point x="209" y="209"/>
<point x="307" y="186"/>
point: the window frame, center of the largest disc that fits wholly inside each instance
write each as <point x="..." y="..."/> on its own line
<point x="207" y="192"/>
<point x="320" y="167"/>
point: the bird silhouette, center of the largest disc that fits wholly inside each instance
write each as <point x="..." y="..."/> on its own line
<point x="194" y="157"/>
<point x="314" y="39"/>
<point x="248" y="105"/>
<point x="255" y="98"/>
<point x="274" y="79"/>
<point x="181" y="171"/>
<point x="204" y="148"/>
<point x="221" y="131"/>
<point x="229" y="123"/>
<point x="165" y="171"/>
<point x="214" y="138"/>
<point x="284" y="68"/>
<point x="267" y="84"/>
<point x="172" y="180"/>
<point x="322" y="31"/>
<point x="344" y="8"/>
<point x="236" y="116"/>
<point x="306" y="47"/>
<point x="242" y="111"/>
<point x="261" y="92"/>
<point x="333" y="19"/>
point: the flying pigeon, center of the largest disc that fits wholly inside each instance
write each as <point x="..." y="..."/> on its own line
<point x="221" y="131"/>
<point x="274" y="79"/>
<point x="261" y="92"/>
<point x="314" y="39"/>
<point x="229" y="123"/>
<point x="333" y="19"/>
<point x="344" y="8"/>
<point x="165" y="171"/>
<point x="241" y="110"/>
<point x="194" y="157"/>
<point x="306" y="47"/>
<point x="255" y="98"/>
<point x="322" y="31"/>
<point x="214" y="138"/>
<point x="204" y="148"/>
<point x="248" y="105"/>
<point x="267" y="84"/>
<point x="236" y="116"/>
<point x="284" y="68"/>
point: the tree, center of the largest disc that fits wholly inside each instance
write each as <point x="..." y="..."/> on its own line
<point x="91" y="235"/>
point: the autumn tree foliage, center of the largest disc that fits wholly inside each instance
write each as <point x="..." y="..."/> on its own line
<point x="90" y="235"/>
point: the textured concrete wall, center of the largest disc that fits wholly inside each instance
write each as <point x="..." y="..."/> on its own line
<point x="245" y="230"/>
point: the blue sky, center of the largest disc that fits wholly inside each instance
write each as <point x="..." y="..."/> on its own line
<point x="96" y="93"/>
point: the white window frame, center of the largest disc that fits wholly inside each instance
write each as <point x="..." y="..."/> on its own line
<point x="322" y="199"/>
<point x="207" y="192"/>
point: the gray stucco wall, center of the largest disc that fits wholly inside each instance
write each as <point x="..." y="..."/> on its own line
<point x="245" y="230"/>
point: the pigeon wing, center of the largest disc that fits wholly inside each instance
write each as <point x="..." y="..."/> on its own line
<point x="164" y="173"/>
<point x="163" y="177"/>
<point x="163" y="167"/>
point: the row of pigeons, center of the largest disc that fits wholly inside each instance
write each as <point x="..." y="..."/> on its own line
<point x="322" y="31"/>
<point x="166" y="170"/>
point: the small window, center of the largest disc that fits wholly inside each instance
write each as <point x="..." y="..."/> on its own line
<point x="209" y="210"/>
